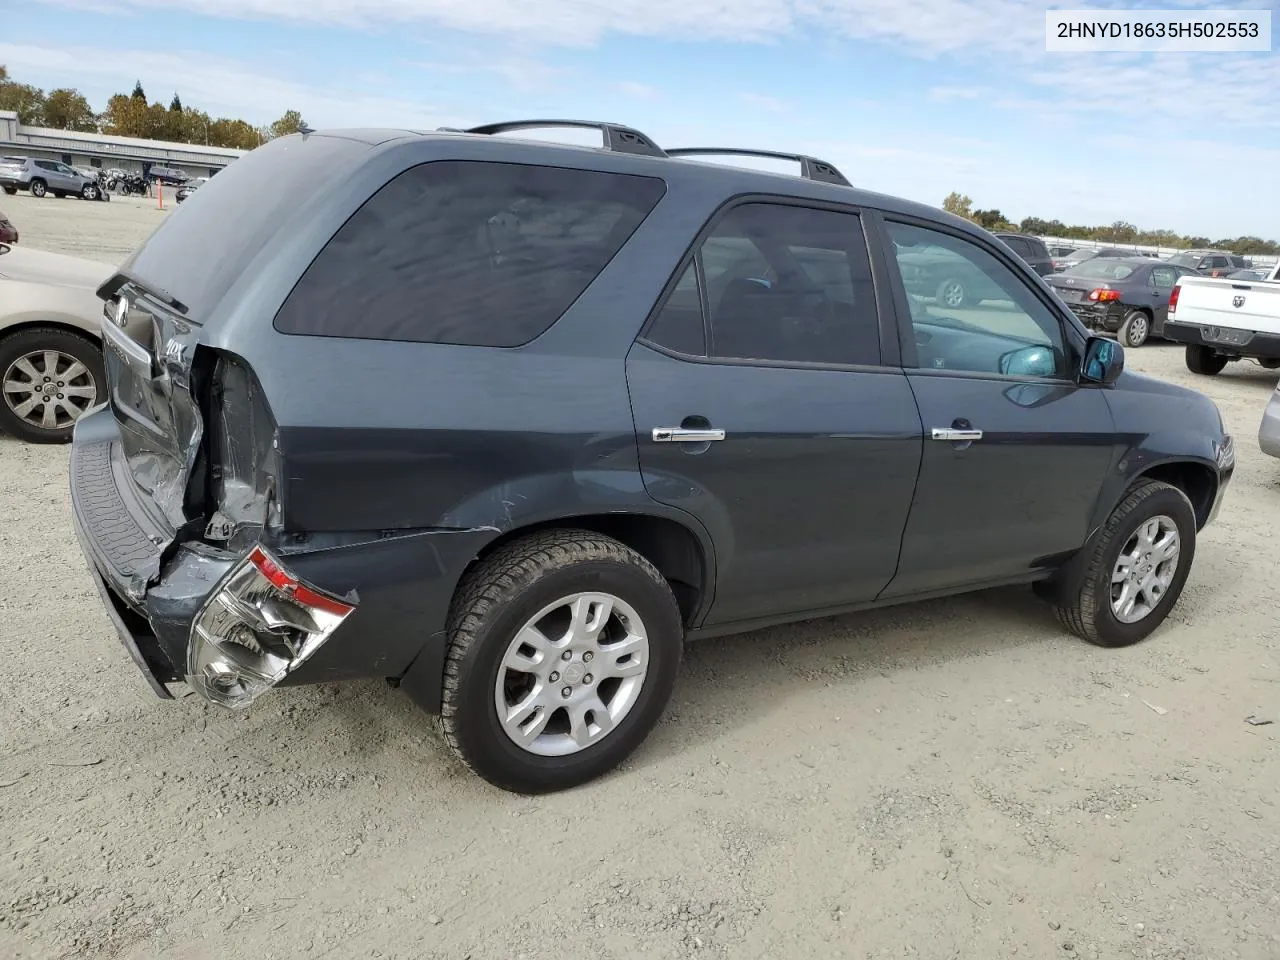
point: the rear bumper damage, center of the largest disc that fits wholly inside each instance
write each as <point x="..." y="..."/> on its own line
<point x="1229" y="341"/>
<point x="233" y="624"/>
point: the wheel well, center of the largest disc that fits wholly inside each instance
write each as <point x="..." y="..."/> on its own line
<point x="668" y="545"/>
<point x="47" y="324"/>
<point x="1197" y="481"/>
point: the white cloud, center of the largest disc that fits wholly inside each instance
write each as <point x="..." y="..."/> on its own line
<point x="521" y="73"/>
<point x="641" y="91"/>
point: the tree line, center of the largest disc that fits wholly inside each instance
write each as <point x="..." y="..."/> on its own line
<point x="134" y="115"/>
<point x="1118" y="232"/>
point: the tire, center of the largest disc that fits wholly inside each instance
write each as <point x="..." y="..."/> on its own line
<point x="33" y="345"/>
<point x="1090" y="614"/>
<point x="952" y="293"/>
<point x="89" y="192"/>
<point x="1269" y="363"/>
<point x="1202" y="360"/>
<point x="39" y="188"/>
<point x="495" y="603"/>
<point x="1135" y="329"/>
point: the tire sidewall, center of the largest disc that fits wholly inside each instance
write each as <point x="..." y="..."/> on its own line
<point x="38" y="189"/>
<point x="1126" y="329"/>
<point x="1169" y="502"/>
<point x="26" y="341"/>
<point x="478" y="729"/>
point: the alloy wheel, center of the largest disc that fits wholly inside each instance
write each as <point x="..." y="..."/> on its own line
<point x="1145" y="569"/>
<point x="571" y="674"/>
<point x="48" y="389"/>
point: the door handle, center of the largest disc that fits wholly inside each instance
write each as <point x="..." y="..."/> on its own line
<point x="685" y="435"/>
<point x="955" y="435"/>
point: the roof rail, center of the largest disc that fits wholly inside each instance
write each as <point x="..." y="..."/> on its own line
<point x="811" y="168"/>
<point x="617" y="137"/>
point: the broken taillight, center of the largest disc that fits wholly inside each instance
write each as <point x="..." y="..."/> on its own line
<point x="1173" y="298"/>
<point x="258" y="626"/>
<point x="1104" y="295"/>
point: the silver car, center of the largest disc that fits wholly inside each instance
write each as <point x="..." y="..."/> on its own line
<point x="1269" y="431"/>
<point x="51" y="367"/>
<point x="44" y="177"/>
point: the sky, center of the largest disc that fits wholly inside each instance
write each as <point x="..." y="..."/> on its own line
<point x="914" y="98"/>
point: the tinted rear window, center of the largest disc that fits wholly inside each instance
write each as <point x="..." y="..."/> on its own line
<point x="468" y="252"/>
<point x="1103" y="269"/>
<point x="202" y="247"/>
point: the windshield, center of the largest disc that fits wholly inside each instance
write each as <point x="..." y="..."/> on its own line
<point x="1081" y="255"/>
<point x="1103" y="269"/>
<point x="1185" y="260"/>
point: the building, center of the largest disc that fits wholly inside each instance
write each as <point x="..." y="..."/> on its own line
<point x="99" y="150"/>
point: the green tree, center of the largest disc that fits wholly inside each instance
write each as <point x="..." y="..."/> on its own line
<point x="67" y="109"/>
<point x="959" y="204"/>
<point x="138" y="92"/>
<point x="22" y="98"/>
<point x="125" y="116"/>
<point x="291" y="122"/>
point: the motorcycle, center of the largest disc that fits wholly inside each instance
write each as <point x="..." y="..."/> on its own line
<point x="126" y="184"/>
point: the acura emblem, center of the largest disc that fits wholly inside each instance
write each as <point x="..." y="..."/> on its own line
<point x="1237" y="301"/>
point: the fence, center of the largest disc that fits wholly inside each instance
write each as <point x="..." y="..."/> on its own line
<point x="1259" y="260"/>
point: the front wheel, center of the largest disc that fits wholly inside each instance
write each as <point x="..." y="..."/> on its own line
<point x="89" y="192"/>
<point x="39" y="188"/>
<point x="1137" y="568"/>
<point x="1135" y="329"/>
<point x="563" y="651"/>
<point x="1203" y="360"/>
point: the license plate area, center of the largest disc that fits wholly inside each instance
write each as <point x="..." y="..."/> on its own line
<point x="1228" y="336"/>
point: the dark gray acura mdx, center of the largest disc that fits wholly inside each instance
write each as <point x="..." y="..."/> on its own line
<point x="507" y="421"/>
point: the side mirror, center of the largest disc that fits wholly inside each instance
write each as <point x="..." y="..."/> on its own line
<point x="1103" y="360"/>
<point x="1033" y="361"/>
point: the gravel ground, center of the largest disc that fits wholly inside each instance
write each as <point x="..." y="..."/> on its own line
<point x="955" y="779"/>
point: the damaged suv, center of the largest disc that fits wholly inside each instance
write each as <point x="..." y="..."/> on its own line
<point x="506" y="421"/>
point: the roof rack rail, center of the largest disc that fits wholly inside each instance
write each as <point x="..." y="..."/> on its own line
<point x="811" y="168"/>
<point x="617" y="137"/>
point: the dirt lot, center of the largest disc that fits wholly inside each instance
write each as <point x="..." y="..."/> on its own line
<point x="958" y="779"/>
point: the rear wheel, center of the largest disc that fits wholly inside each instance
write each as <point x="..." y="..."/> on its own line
<point x="952" y="293"/>
<point x="1203" y="360"/>
<point x="39" y="188"/>
<point x="48" y="379"/>
<point x="1135" y="329"/>
<point x="1269" y="363"/>
<point x="11" y="190"/>
<point x="1137" y="567"/>
<point x="563" y="651"/>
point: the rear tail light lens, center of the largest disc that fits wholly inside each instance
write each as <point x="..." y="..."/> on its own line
<point x="259" y="625"/>
<point x="1173" y="297"/>
<point x="1103" y="295"/>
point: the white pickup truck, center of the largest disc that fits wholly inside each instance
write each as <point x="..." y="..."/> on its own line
<point x="1221" y="319"/>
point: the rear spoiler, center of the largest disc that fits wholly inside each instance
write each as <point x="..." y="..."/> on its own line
<point x="113" y="284"/>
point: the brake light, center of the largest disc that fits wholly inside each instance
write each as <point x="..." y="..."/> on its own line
<point x="1103" y="295"/>
<point x="1173" y="297"/>
<point x="290" y="585"/>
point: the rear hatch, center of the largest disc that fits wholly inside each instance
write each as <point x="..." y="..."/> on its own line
<point x="165" y="384"/>
<point x="1252" y="305"/>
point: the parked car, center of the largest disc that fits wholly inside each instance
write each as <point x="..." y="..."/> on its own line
<point x="606" y="400"/>
<point x="51" y="368"/>
<point x="43" y="177"/>
<point x="1221" y="320"/>
<point x="1030" y="249"/>
<point x="1057" y="250"/>
<point x="1083" y="254"/>
<point x="1251" y="274"/>
<point x="1269" y="429"/>
<point x="1210" y="263"/>
<point x="169" y="176"/>
<point x="1126" y="297"/>
<point x="8" y="232"/>
<point x="189" y="188"/>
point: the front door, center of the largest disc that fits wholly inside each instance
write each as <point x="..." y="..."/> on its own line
<point x="763" y="408"/>
<point x="1014" y="450"/>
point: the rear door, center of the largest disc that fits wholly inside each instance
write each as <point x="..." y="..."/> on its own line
<point x="769" y="404"/>
<point x="1014" y="450"/>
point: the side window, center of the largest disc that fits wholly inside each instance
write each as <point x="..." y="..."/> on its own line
<point x="971" y="312"/>
<point x="1019" y="246"/>
<point x="1163" y="278"/>
<point x="468" y="252"/>
<point x="1038" y="250"/>
<point x="47" y="165"/>
<point x="790" y="283"/>
<point x="678" y="325"/>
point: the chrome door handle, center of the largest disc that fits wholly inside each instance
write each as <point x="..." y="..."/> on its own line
<point x="683" y="435"/>
<point x="954" y="435"/>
